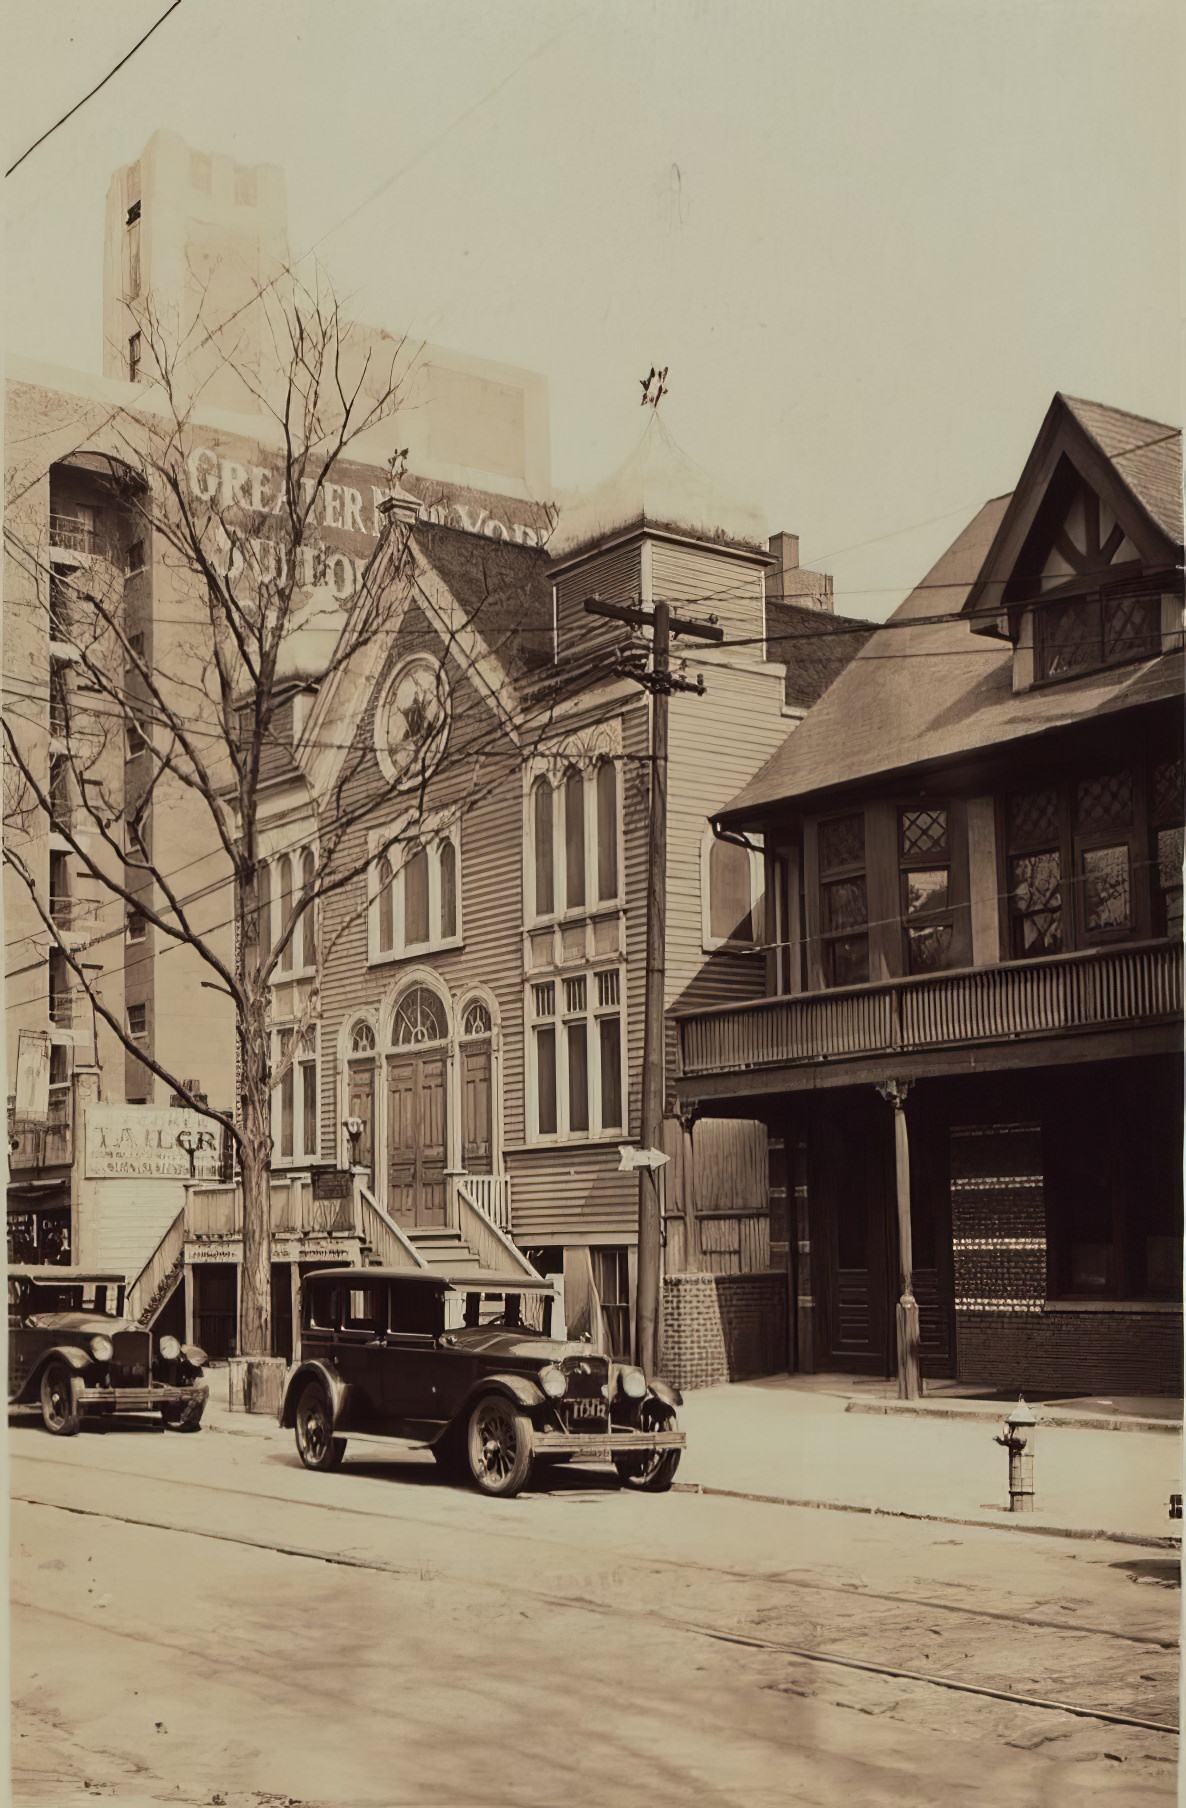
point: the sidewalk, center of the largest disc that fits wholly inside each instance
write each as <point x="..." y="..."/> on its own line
<point x="833" y="1440"/>
<point x="837" y="1441"/>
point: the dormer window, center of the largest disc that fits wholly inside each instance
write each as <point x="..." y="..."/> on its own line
<point x="1083" y="633"/>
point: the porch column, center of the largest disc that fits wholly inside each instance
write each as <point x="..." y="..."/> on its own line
<point x="294" y="1283"/>
<point x="895" y="1091"/>
<point x="187" y="1291"/>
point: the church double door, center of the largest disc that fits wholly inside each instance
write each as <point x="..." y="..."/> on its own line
<point x="417" y="1139"/>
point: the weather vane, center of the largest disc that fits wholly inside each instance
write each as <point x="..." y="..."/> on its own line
<point x="654" y="387"/>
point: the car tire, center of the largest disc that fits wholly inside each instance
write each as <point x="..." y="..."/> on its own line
<point x="316" y="1445"/>
<point x="183" y="1415"/>
<point x="498" y="1445"/>
<point x="654" y="1471"/>
<point x="59" y="1414"/>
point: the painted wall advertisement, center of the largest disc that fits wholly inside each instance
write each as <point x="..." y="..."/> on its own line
<point x="139" y="1142"/>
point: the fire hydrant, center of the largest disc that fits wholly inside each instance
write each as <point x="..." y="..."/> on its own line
<point x="1018" y="1440"/>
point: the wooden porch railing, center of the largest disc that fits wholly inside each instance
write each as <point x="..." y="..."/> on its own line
<point x="1105" y="986"/>
<point x="217" y="1211"/>
<point x="474" y="1224"/>
<point x="153" y="1284"/>
<point x="491" y="1194"/>
<point x="390" y="1247"/>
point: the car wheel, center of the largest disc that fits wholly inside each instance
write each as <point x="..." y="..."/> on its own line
<point x="183" y="1415"/>
<point x="498" y="1444"/>
<point x="316" y="1444"/>
<point x="652" y="1471"/>
<point x="58" y="1411"/>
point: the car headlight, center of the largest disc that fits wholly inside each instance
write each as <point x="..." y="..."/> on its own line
<point x="169" y="1348"/>
<point x="102" y="1348"/>
<point x="553" y="1381"/>
<point x="195" y="1356"/>
<point x="634" y="1383"/>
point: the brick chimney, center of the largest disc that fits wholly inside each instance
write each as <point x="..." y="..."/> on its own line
<point x="788" y="582"/>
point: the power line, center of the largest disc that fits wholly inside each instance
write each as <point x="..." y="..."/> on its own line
<point x="82" y="103"/>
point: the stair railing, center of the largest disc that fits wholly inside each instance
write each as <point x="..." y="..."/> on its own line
<point x="159" y="1275"/>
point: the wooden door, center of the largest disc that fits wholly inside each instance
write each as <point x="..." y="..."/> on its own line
<point x="416" y="1140"/>
<point x="850" y="1188"/>
<point x="361" y="1104"/>
<point x="477" y="1113"/>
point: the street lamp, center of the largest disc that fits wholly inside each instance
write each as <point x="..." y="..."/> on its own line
<point x="354" y="1127"/>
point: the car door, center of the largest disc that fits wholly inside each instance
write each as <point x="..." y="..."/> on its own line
<point x="359" y="1352"/>
<point x="424" y="1375"/>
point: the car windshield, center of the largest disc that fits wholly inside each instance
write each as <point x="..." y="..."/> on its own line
<point x="472" y="1310"/>
<point x="29" y="1298"/>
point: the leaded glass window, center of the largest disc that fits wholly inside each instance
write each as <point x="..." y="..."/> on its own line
<point x="419" y="1017"/>
<point x="926" y="887"/>
<point x="1035" y="903"/>
<point x="1107" y="889"/>
<point x="844" y="907"/>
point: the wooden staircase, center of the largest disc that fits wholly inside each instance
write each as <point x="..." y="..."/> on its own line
<point x="445" y="1251"/>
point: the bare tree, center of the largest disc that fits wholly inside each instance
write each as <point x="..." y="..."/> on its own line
<point x="201" y="710"/>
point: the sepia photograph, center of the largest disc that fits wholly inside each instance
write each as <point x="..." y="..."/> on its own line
<point x="593" y="805"/>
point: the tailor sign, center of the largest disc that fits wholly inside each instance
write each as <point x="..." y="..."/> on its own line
<point x="139" y="1142"/>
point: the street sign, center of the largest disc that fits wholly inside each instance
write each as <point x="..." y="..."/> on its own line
<point x="630" y="1158"/>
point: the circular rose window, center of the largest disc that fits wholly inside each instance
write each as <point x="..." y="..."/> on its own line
<point x="412" y="722"/>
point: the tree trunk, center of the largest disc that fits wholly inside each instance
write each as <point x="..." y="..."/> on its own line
<point x="255" y="1295"/>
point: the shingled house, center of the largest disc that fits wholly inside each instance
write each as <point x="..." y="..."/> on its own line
<point x="976" y="835"/>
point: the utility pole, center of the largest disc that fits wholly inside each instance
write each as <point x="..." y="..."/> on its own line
<point x="657" y="678"/>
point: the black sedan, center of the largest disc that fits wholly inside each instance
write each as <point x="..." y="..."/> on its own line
<point x="72" y="1351"/>
<point x="467" y="1365"/>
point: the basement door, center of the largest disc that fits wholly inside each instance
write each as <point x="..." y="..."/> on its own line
<point x="416" y="1140"/>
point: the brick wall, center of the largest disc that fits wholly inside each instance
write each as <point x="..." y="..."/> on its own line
<point x="1080" y="1352"/>
<point x="1007" y="1333"/>
<point x="723" y="1327"/>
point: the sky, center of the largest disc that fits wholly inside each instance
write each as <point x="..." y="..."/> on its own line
<point x="869" y="238"/>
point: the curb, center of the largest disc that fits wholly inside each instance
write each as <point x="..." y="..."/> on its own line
<point x="1007" y="1522"/>
<point x="977" y="1416"/>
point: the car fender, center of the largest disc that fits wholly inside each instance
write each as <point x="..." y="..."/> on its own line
<point x="519" y="1388"/>
<point x="670" y="1396"/>
<point x="78" y="1360"/>
<point x="333" y="1384"/>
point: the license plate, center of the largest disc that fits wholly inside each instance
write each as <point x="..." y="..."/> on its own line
<point x="586" y="1409"/>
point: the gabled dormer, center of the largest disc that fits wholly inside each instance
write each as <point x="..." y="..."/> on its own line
<point x="1084" y="573"/>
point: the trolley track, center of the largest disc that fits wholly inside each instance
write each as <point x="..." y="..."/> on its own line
<point x="726" y="1572"/>
<point x="620" y="1610"/>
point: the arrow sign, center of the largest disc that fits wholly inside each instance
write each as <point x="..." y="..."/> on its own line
<point x="630" y="1158"/>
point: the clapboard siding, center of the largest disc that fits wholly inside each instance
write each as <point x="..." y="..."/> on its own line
<point x="701" y="583"/>
<point x="615" y="577"/>
<point x="568" y="1195"/>
<point x="718" y="742"/>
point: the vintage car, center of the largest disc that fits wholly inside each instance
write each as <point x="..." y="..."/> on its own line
<point x="72" y="1351"/>
<point x="466" y="1364"/>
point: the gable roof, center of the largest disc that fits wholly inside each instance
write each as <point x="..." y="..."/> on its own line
<point x="924" y="690"/>
<point x="1148" y="455"/>
<point x="501" y="589"/>
<point x="1133" y="462"/>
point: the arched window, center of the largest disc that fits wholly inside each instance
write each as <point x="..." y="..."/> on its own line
<point x="284" y="886"/>
<point x="476" y="1019"/>
<point x="574" y="838"/>
<point x="541" y="817"/>
<point x="419" y="1017"/>
<point x="448" y="870"/>
<point x="607" y="831"/>
<point x="308" y="925"/>
<point x="416" y="899"/>
<point x="386" y="912"/>
<point x="362" y="1040"/>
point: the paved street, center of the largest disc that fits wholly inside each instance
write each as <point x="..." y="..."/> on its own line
<point x="377" y="1638"/>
